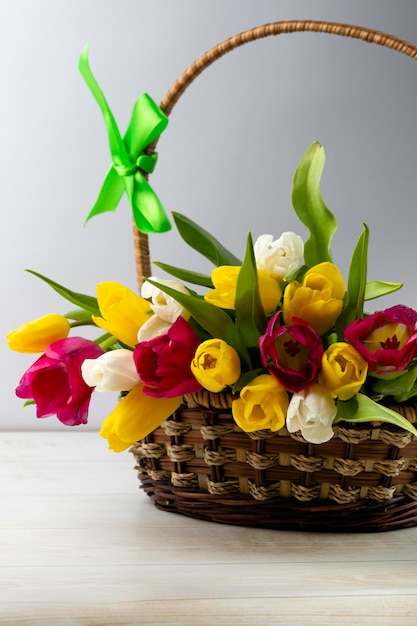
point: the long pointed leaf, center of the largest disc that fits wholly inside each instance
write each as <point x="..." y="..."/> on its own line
<point x="363" y="409"/>
<point x="79" y="299"/>
<point x="377" y="288"/>
<point x="310" y="208"/>
<point x="250" y="316"/>
<point x="355" y="296"/>
<point x="204" y="242"/>
<point x="186" y="275"/>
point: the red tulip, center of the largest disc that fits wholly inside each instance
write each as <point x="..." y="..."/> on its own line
<point x="387" y="340"/>
<point x="291" y="353"/>
<point x="164" y="362"/>
<point x="55" y="382"/>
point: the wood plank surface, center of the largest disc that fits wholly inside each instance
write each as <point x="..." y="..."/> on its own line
<point x="81" y="545"/>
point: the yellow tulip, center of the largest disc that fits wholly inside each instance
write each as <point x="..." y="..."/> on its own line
<point x="224" y="293"/>
<point x="343" y="370"/>
<point x="269" y="290"/>
<point x="215" y="365"/>
<point x="123" y="312"/>
<point x="262" y="404"/>
<point x="318" y="300"/>
<point x="224" y="280"/>
<point x="135" y="416"/>
<point x="37" y="335"/>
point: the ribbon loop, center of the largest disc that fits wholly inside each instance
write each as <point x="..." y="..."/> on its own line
<point x="147" y="162"/>
<point x="129" y="157"/>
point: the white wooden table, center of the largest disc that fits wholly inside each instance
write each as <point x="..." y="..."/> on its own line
<point x="81" y="545"/>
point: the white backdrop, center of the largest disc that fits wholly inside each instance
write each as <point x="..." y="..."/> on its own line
<point x="227" y="158"/>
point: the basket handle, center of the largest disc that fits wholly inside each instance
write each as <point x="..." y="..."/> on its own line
<point x="141" y="241"/>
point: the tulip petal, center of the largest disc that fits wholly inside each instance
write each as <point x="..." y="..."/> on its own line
<point x="135" y="416"/>
<point x="123" y="312"/>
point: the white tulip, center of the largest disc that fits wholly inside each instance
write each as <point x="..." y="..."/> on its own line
<point x="280" y="257"/>
<point x="112" y="371"/>
<point x="162" y="305"/>
<point x="312" y="411"/>
<point x="153" y="327"/>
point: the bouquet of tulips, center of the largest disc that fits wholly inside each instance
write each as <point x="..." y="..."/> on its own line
<point x="279" y="330"/>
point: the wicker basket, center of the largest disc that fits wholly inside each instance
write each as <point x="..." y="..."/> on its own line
<point x="201" y="464"/>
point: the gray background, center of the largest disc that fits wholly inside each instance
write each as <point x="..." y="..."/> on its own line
<point x="228" y="156"/>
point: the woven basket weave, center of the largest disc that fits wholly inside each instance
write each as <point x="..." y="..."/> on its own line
<point x="201" y="464"/>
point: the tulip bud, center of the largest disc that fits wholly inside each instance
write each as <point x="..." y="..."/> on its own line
<point x="215" y="365"/>
<point x="318" y="300"/>
<point x="387" y="339"/>
<point x="262" y="404"/>
<point x="37" y="335"/>
<point x="280" y="257"/>
<point x="112" y="371"/>
<point x="163" y="305"/>
<point x="343" y="370"/>
<point x="312" y="411"/>
<point x="224" y="293"/>
<point x="123" y="312"/>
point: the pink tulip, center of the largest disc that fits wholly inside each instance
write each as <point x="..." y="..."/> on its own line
<point x="387" y="339"/>
<point x="291" y="353"/>
<point x="164" y="362"/>
<point x="55" y="382"/>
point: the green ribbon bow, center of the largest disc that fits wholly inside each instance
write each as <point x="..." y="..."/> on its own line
<point x="129" y="158"/>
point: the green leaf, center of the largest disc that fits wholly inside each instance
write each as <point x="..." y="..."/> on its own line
<point x="250" y="316"/>
<point x="398" y="386"/>
<point x="246" y="378"/>
<point x="214" y="320"/>
<point x="377" y="288"/>
<point x="297" y="274"/>
<point x="385" y="375"/>
<point x="363" y="409"/>
<point x="200" y="240"/>
<point x="310" y="208"/>
<point x="79" y="315"/>
<point x="355" y="295"/>
<point x="29" y="403"/>
<point x="186" y="275"/>
<point x="86" y="302"/>
<point x="406" y="395"/>
<point x="109" y="342"/>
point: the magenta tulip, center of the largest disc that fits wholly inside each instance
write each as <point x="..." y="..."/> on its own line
<point x="291" y="353"/>
<point x="55" y="382"/>
<point x="387" y="339"/>
<point x="164" y="362"/>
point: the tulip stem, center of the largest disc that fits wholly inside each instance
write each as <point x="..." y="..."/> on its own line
<point x="332" y="338"/>
<point x="106" y="341"/>
<point x="85" y="322"/>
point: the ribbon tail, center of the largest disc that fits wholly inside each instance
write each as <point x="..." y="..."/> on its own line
<point x="117" y="147"/>
<point x="109" y="197"/>
<point x="148" y="212"/>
